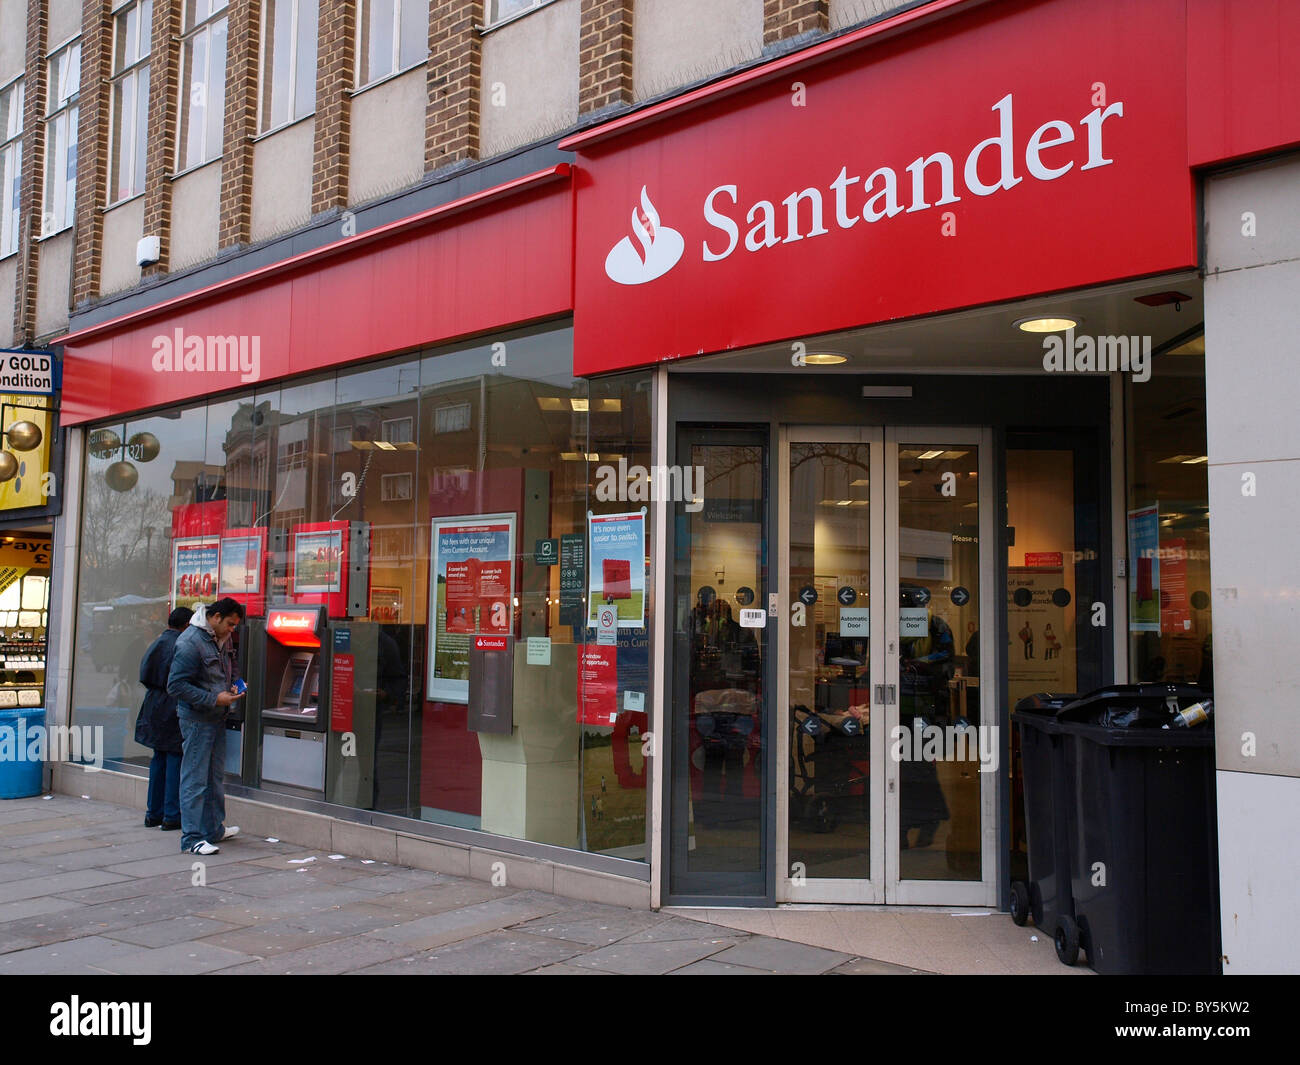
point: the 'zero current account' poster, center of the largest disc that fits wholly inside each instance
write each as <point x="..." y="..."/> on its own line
<point x="471" y="587"/>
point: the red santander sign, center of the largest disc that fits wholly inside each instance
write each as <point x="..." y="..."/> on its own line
<point x="1011" y="150"/>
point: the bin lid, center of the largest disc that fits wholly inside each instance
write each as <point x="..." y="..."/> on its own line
<point x="1038" y="711"/>
<point x="1045" y="702"/>
<point x="1132" y="707"/>
<point x="1110" y="736"/>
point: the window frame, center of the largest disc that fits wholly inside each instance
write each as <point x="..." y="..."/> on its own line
<point x="493" y="19"/>
<point x="218" y="10"/>
<point x="131" y="73"/>
<point x="397" y="67"/>
<point x="388" y="481"/>
<point x="387" y="436"/>
<point x="11" y="156"/>
<point x="443" y="414"/>
<point x="62" y="114"/>
<point x="265" y="69"/>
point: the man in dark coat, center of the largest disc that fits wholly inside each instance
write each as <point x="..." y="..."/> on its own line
<point x="159" y="728"/>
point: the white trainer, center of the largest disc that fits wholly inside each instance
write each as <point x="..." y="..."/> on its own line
<point x="204" y="847"/>
<point x="230" y="833"/>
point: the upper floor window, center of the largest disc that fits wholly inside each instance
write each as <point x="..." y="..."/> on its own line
<point x="453" y="418"/>
<point x="501" y="10"/>
<point x="61" y="94"/>
<point x="202" y="83"/>
<point x="397" y="430"/>
<point x="11" y="164"/>
<point x="391" y="36"/>
<point x="131" y="32"/>
<point x="288" y="62"/>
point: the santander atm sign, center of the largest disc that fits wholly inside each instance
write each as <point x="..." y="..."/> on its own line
<point x="927" y="182"/>
<point x="1004" y="151"/>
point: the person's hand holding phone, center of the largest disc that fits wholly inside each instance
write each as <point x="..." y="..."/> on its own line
<point x="237" y="692"/>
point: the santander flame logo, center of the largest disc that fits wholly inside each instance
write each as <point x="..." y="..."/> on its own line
<point x="659" y="251"/>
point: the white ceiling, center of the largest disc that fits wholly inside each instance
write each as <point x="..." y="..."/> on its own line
<point x="984" y="340"/>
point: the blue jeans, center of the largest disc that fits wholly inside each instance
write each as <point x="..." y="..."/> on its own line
<point x="164" y="803"/>
<point x="203" y="780"/>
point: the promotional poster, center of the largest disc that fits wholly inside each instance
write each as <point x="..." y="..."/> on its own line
<point x="471" y="578"/>
<point x="617" y="566"/>
<point x="318" y="562"/>
<point x="195" y="565"/>
<point x="1037" y="623"/>
<point x="1144" y="577"/>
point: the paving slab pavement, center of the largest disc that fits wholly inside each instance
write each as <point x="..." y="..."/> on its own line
<point x="86" y="888"/>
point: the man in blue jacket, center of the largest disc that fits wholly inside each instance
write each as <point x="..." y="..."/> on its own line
<point x="202" y="681"/>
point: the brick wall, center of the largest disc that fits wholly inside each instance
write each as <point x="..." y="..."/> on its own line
<point x="33" y="170"/>
<point x="243" y="34"/>
<point x="93" y="121"/>
<point x="783" y="19"/>
<point x="160" y="158"/>
<point x="455" y="79"/>
<point x="335" y="78"/>
<point x="604" y="55"/>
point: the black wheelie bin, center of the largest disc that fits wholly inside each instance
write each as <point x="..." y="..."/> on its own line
<point x="1046" y="894"/>
<point x="1141" y="832"/>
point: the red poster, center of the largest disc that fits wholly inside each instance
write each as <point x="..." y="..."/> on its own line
<point x="462" y="579"/>
<point x="617" y="578"/>
<point x="1144" y="581"/>
<point x="342" y="672"/>
<point x="1175" y="608"/>
<point x="598" y="685"/>
<point x="494" y="596"/>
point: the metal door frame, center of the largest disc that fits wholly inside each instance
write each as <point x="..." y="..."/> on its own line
<point x="982" y="892"/>
<point x="884" y="885"/>
<point x="825" y="889"/>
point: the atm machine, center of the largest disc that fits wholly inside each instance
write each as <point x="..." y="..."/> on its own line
<point x="295" y="715"/>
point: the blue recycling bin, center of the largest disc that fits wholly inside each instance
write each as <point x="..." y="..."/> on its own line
<point x="20" y="776"/>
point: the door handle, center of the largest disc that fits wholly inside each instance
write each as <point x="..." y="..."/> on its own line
<point x="886" y="694"/>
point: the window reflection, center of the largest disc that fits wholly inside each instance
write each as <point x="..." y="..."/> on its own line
<point x="1168" y="523"/>
<point x="380" y="453"/>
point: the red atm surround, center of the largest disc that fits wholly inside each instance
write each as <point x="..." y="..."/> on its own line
<point x="295" y="626"/>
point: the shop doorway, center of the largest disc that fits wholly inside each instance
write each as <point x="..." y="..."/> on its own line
<point x="835" y="731"/>
<point x="888" y="733"/>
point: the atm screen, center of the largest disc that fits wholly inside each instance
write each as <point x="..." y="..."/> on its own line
<point x="295" y="687"/>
